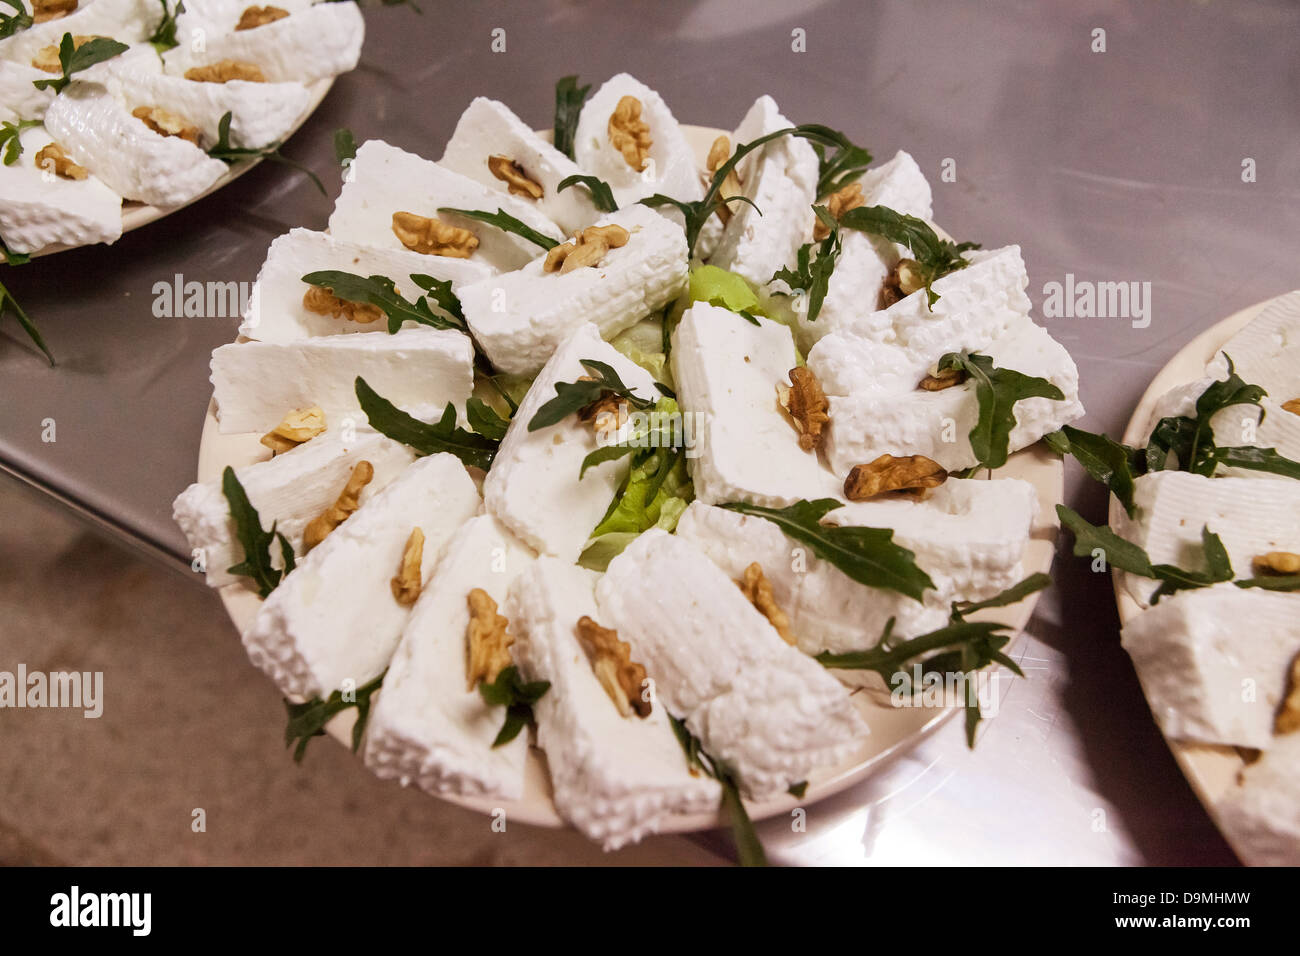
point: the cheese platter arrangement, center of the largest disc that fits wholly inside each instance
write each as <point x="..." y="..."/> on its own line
<point x="627" y="475"/>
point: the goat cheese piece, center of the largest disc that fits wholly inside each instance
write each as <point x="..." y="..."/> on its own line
<point x="38" y="208"/>
<point x="533" y="487"/>
<point x="19" y="99"/>
<point x="290" y="489"/>
<point x="1266" y="352"/>
<point x="727" y="370"/>
<point x="275" y="308"/>
<point x="759" y="705"/>
<point x="489" y="128"/>
<point x="257" y="383"/>
<point x="1236" y="425"/>
<point x="1261" y="815"/>
<point x="383" y="180"/>
<point x="99" y="133"/>
<point x="669" y="169"/>
<point x="1214" y="662"/>
<point x="865" y="425"/>
<point x="315" y="43"/>
<point x="781" y="180"/>
<point x="129" y="21"/>
<point x="614" y="778"/>
<point x="1252" y="516"/>
<point x="426" y="727"/>
<point x="334" y="617"/>
<point x="519" y="317"/>
<point x="215" y="17"/>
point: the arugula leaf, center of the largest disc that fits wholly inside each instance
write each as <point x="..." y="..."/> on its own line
<point x="439" y="290"/>
<point x="256" y="542"/>
<point x="569" y="97"/>
<point x="935" y="257"/>
<point x="1257" y="459"/>
<point x="507" y="223"/>
<point x="839" y="168"/>
<point x="1107" y="461"/>
<point x="345" y="146"/>
<point x="813" y="276"/>
<point x="308" y="719"/>
<point x="74" y="59"/>
<point x="13" y="22"/>
<point x="511" y="692"/>
<point x="164" y="38"/>
<point x="571" y="397"/>
<point x="229" y="154"/>
<point x="10" y="141"/>
<point x="9" y="304"/>
<point x="1271" y="582"/>
<point x="749" y="849"/>
<point x="601" y="195"/>
<point x="484" y="419"/>
<point x="867" y="555"/>
<point x="1012" y="595"/>
<point x="476" y="451"/>
<point x="381" y="292"/>
<point x="798" y="789"/>
<point x="996" y="390"/>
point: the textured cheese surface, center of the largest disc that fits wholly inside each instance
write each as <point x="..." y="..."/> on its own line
<point x="334" y="618"/>
<point x="1214" y="662"/>
<point x="614" y="777"/>
<point x="771" y="712"/>
<point x="519" y="317"/>
<point x="533" y="486"/>
<point x="726" y="370"/>
<point x="426" y="727"/>
<point x="488" y="128"/>
<point x="1262" y="814"/>
<point x="19" y="99"/>
<point x="383" y="180"/>
<point x="257" y="383"/>
<point x="222" y="16"/>
<point x="1267" y="351"/>
<point x="275" y="310"/>
<point x="290" y="489"/>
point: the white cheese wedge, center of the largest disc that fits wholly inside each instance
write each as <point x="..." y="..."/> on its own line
<point x="1261" y="814"/>
<point x="426" y="727"/>
<point x="533" y="487"/>
<point x="260" y="113"/>
<point x="216" y="17"/>
<point x="290" y="490"/>
<point x="19" y="99"/>
<point x="334" y="617"/>
<point x="670" y="168"/>
<point x="129" y="21"/>
<point x="320" y="41"/>
<point x="615" y="778"/>
<point x="1252" y="516"/>
<point x="99" y="133"/>
<point x="780" y="178"/>
<point x="519" y="317"/>
<point x="759" y="705"/>
<point x="865" y="425"/>
<point x="38" y="208"/>
<point x="1214" y="662"/>
<point x="1267" y="351"/>
<point x="727" y="370"/>
<point x="275" y="308"/>
<point x="383" y="180"/>
<point x="257" y="383"/>
<point x="828" y="610"/>
<point x="489" y="128"/>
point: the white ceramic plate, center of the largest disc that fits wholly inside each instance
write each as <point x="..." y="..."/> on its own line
<point x="1210" y="769"/>
<point x="137" y="214"/>
<point x="893" y="730"/>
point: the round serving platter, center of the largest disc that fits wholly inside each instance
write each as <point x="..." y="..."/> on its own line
<point x="894" y="730"/>
<point x="137" y="214"/>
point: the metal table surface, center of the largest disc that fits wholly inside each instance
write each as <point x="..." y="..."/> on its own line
<point x="1122" y="165"/>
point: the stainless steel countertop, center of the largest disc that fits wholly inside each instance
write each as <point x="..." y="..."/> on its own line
<point x="1123" y="165"/>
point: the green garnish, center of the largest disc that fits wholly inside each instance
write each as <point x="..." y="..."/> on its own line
<point x="1107" y="461"/>
<point x="74" y="59"/>
<point x="517" y="697"/>
<point x="571" y="397"/>
<point x="749" y="849"/>
<point x="255" y="542"/>
<point x="798" y="789"/>
<point x="506" y="223"/>
<point x="717" y="286"/>
<point x="484" y="419"/>
<point x="13" y="22"/>
<point x="836" y="170"/>
<point x="813" y="276"/>
<point x="1271" y="582"/>
<point x="10" y="141"/>
<point x="569" y="97"/>
<point x="935" y="257"/>
<point x="867" y="555"/>
<point x="381" y="292"/>
<point x="345" y="146"/>
<point x="996" y="390"/>
<point x="601" y="195"/>
<point x="9" y="304"/>
<point x="308" y="719"/>
<point x="476" y="451"/>
<point x="224" y="151"/>
<point x="164" y="38"/>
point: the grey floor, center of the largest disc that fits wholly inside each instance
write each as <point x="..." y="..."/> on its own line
<point x="188" y="723"/>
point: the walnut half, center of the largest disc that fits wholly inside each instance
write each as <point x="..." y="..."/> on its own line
<point x="1288" y="715"/>
<point x="489" y="641"/>
<point x="44" y="11"/>
<point x="902" y="281"/>
<point x="837" y="204"/>
<point x="53" y="159"/>
<point x="1276" y="563"/>
<point x="518" y="182"/>
<point x="588" y="248"/>
<point x="166" y="123"/>
<point x="804" y="399"/>
<point x="732" y="184"/>
<point x="47" y="57"/>
<point x="1292" y="405"/>
<point x="629" y="134"/>
<point x="254" y="17"/>
<point x="223" y="71"/>
<point x="407" y="583"/>
<point x="432" y="236"/>
<point x="300" y="425"/>
<point x="611" y="661"/>
<point x="911" y="474"/>
<point x="323" y="302"/>
<point x="937" y="381"/>
<point x="758" y="589"/>
<point x="348" y="501"/>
